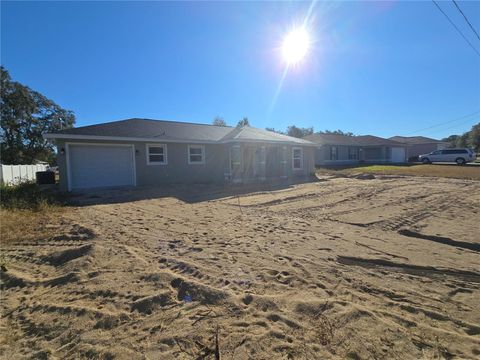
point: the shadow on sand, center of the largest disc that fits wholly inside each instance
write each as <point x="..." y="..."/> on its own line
<point x="189" y="193"/>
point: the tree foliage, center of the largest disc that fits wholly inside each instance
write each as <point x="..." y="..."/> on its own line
<point x="474" y="137"/>
<point x="299" y="132"/>
<point x="243" y="122"/>
<point x="26" y="115"/>
<point x="219" y="121"/>
<point x="336" y="132"/>
<point x="469" y="139"/>
<point x="452" y="140"/>
<point x="273" y="130"/>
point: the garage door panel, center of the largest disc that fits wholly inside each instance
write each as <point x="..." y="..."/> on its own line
<point x="398" y="155"/>
<point x="100" y="166"/>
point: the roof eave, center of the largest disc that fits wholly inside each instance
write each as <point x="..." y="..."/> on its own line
<point x="52" y="136"/>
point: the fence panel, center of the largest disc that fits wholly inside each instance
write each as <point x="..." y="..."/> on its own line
<point x="15" y="174"/>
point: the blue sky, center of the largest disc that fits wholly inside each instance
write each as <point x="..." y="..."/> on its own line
<point x="382" y="68"/>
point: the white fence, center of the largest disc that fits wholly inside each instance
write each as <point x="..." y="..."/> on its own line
<point x="14" y="174"/>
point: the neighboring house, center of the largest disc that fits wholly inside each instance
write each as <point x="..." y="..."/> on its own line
<point x="154" y="152"/>
<point x="333" y="149"/>
<point x="419" y="145"/>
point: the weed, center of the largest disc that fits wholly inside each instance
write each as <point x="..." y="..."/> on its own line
<point x="29" y="196"/>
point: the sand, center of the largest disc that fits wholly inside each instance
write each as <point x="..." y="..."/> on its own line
<point x="387" y="268"/>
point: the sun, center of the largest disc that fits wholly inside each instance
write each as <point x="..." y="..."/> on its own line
<point x="296" y="45"/>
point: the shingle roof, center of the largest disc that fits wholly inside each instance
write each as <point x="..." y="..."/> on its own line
<point x="175" y="131"/>
<point x="370" y="140"/>
<point x="332" y="139"/>
<point x="362" y="140"/>
<point x="414" y="139"/>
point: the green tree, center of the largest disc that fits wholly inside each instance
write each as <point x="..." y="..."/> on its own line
<point x="275" y="131"/>
<point x="243" y="122"/>
<point x="336" y="132"/>
<point x="26" y="115"/>
<point x="462" y="141"/>
<point x="452" y="140"/>
<point x="474" y="138"/>
<point x="297" y="132"/>
<point x="218" y="121"/>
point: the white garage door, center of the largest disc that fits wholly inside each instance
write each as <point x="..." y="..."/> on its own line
<point x="398" y="155"/>
<point x="93" y="166"/>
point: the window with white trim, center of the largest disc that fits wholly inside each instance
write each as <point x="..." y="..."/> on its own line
<point x="196" y="154"/>
<point x="157" y="154"/>
<point x="297" y="158"/>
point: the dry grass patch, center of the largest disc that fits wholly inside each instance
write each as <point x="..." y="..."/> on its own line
<point x="28" y="212"/>
<point x="470" y="172"/>
<point x="28" y="225"/>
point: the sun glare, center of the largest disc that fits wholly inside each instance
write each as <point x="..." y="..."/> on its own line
<point x="296" y="45"/>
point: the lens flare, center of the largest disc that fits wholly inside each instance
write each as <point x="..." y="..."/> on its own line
<point x="296" y="45"/>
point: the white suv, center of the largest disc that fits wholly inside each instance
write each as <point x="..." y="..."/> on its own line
<point x="460" y="156"/>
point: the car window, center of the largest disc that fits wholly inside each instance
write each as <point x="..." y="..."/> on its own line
<point x="437" y="152"/>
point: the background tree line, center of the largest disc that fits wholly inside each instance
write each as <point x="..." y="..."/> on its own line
<point x="300" y="132"/>
<point x="292" y="130"/>
<point x="469" y="139"/>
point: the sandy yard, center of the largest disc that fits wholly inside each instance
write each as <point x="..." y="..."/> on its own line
<point x="387" y="268"/>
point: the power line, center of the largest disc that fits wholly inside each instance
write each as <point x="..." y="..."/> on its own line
<point x="444" y="123"/>
<point x="456" y="28"/>
<point x="466" y="19"/>
<point x="455" y="126"/>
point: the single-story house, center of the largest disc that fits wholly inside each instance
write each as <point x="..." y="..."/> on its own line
<point x="419" y="145"/>
<point x="153" y="152"/>
<point x="335" y="149"/>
